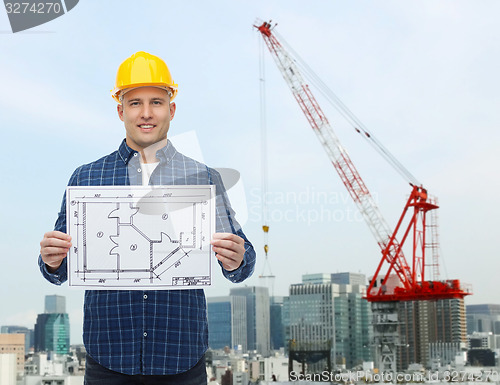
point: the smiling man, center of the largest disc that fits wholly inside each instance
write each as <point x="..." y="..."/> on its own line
<point x="147" y="337"/>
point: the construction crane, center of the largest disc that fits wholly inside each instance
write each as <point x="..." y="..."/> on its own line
<point x="394" y="280"/>
<point x="411" y="283"/>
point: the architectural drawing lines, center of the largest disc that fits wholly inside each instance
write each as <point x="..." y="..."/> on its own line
<point x="135" y="237"/>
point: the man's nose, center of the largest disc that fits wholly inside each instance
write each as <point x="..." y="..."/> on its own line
<point x="147" y="111"/>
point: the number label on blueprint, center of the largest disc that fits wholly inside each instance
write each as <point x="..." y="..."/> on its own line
<point x="140" y="237"/>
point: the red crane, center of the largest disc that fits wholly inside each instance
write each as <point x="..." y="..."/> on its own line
<point x="394" y="279"/>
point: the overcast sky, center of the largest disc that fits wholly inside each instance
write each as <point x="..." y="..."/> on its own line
<point x="422" y="76"/>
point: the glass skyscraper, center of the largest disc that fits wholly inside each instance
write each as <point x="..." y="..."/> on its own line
<point x="52" y="333"/>
<point x="52" y="327"/>
<point x="227" y="322"/>
<point x="258" y="319"/>
<point x="55" y="304"/>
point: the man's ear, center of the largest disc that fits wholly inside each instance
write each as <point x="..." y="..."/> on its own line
<point x="172" y="110"/>
<point x="119" y="109"/>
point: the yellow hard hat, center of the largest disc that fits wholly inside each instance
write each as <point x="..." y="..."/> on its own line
<point x="142" y="70"/>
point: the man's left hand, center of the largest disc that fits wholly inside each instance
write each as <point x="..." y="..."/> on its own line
<point x="229" y="249"/>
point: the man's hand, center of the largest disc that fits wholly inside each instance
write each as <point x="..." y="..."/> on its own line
<point x="229" y="249"/>
<point x="54" y="248"/>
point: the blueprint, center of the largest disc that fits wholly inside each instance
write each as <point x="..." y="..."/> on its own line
<point x="140" y="237"/>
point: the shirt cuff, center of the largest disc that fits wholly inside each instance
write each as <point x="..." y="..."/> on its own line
<point x="57" y="277"/>
<point x="235" y="275"/>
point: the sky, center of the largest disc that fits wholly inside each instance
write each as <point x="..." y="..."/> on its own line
<point x="421" y="75"/>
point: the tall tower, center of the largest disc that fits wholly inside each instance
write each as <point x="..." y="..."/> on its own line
<point x="55" y="304"/>
<point x="430" y="323"/>
<point x="258" y="319"/>
<point x="227" y="322"/>
<point x="277" y="326"/>
<point x="52" y="327"/>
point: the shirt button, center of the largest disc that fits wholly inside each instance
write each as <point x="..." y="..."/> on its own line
<point x="145" y="296"/>
<point x="135" y="153"/>
<point x="139" y="170"/>
<point x="145" y="334"/>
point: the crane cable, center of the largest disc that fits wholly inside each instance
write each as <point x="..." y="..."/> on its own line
<point x="358" y="126"/>
<point x="264" y="163"/>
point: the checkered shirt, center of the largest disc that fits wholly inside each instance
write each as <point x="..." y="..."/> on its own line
<point x="152" y="332"/>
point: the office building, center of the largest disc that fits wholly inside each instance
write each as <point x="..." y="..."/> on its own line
<point x="258" y="318"/>
<point x="13" y="344"/>
<point x="323" y="314"/>
<point x="227" y="322"/>
<point x="481" y="340"/>
<point x="15" y="329"/>
<point x="423" y="323"/>
<point x="52" y="333"/>
<point x="483" y="318"/>
<point x="55" y="304"/>
<point x="276" y="323"/>
<point x="8" y="369"/>
<point x="52" y="327"/>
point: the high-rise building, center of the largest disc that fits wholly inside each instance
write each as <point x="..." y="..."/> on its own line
<point x="423" y="323"/>
<point x="321" y="313"/>
<point x="52" y="327"/>
<point x="258" y="319"/>
<point x="227" y="322"/>
<point x="13" y="344"/>
<point x="52" y="333"/>
<point x="55" y="304"/>
<point x="276" y="323"/>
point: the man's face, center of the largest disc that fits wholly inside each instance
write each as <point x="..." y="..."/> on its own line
<point x="146" y="112"/>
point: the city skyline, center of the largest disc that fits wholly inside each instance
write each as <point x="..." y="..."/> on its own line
<point x="421" y="76"/>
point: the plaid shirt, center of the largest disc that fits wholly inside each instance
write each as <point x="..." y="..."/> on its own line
<point x="154" y="332"/>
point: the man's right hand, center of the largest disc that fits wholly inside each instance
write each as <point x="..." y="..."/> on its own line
<point x="53" y="248"/>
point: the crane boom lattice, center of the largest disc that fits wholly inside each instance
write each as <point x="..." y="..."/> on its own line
<point x="335" y="151"/>
<point x="410" y="283"/>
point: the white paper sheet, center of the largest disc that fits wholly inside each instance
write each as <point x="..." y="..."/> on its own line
<point x="140" y="237"/>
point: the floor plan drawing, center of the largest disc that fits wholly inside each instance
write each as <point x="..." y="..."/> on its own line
<point x="140" y="237"/>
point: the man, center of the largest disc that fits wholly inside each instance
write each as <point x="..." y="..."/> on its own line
<point x="150" y="337"/>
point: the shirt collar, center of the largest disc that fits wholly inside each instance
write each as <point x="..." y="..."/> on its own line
<point x="165" y="154"/>
<point x="125" y="152"/>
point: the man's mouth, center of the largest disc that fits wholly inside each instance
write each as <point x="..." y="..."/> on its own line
<point x="146" y="127"/>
